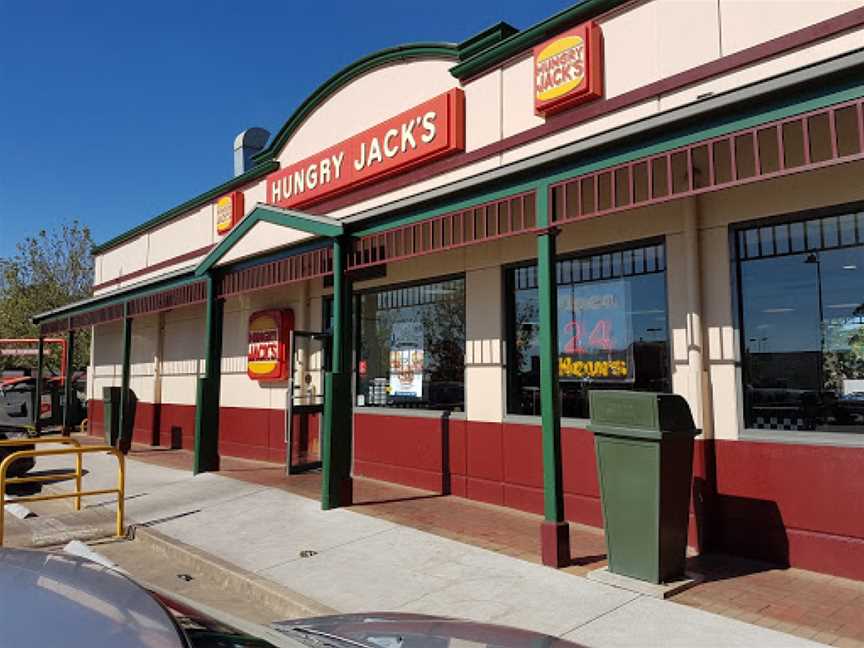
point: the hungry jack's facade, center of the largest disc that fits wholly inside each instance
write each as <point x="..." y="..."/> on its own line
<point x="446" y="246"/>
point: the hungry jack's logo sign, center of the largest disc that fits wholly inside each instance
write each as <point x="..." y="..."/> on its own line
<point x="427" y="132"/>
<point x="229" y="211"/>
<point x="568" y="69"/>
<point x="267" y="357"/>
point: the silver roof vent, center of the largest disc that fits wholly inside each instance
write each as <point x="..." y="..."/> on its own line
<point x="247" y="144"/>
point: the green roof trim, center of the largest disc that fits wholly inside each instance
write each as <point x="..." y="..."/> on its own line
<point x="252" y="174"/>
<point x="264" y="160"/>
<point x="381" y="58"/>
<point x="529" y="37"/>
<point x="722" y="122"/>
<point x="316" y="225"/>
<point x="485" y="39"/>
<point x="125" y="295"/>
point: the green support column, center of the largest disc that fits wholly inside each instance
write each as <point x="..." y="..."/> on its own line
<point x="336" y="428"/>
<point x="40" y="368"/>
<point x="554" y="533"/>
<point x="67" y="382"/>
<point x="209" y="386"/>
<point x="124" y="379"/>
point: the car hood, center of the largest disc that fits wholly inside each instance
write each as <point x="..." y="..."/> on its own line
<point x="52" y="599"/>
<point x="403" y="630"/>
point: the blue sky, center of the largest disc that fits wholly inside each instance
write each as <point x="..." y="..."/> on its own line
<point x="112" y="112"/>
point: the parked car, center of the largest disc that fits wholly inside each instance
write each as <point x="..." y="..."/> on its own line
<point x="53" y="599"/>
<point x="18" y="402"/>
<point x="20" y="466"/>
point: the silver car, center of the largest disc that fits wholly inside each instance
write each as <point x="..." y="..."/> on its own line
<point x="52" y="599"/>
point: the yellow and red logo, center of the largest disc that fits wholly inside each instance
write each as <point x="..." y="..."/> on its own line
<point x="267" y="357"/>
<point x="568" y="69"/>
<point x="229" y="211"/>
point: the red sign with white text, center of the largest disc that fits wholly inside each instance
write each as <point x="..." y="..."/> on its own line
<point x="568" y="69"/>
<point x="427" y="132"/>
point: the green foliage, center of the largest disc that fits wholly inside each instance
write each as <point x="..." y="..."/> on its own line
<point x="49" y="270"/>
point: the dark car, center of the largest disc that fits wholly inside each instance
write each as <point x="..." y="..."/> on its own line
<point x="53" y="599"/>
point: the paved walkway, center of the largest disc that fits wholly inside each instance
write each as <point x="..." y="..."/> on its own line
<point x="366" y="558"/>
<point x="806" y="604"/>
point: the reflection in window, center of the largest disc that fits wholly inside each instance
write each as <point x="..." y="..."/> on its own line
<point x="802" y="308"/>
<point x="612" y="329"/>
<point x="412" y="347"/>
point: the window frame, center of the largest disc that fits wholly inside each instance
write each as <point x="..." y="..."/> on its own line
<point x="508" y="312"/>
<point x="356" y="302"/>
<point x="790" y="437"/>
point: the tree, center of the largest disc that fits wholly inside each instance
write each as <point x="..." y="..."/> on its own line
<point x="49" y="270"/>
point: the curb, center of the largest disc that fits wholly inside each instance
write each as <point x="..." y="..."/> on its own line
<point x="230" y="577"/>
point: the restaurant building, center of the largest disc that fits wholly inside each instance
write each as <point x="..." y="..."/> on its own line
<point x="421" y="275"/>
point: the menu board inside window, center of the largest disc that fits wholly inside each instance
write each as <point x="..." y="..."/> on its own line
<point x="595" y="333"/>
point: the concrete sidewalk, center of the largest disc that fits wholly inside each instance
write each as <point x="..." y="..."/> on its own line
<point x="354" y="562"/>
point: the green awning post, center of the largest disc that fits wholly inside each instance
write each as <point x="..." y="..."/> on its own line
<point x="554" y="531"/>
<point x="124" y="379"/>
<point x="40" y="368"/>
<point x="209" y="385"/>
<point x="336" y="426"/>
<point x="67" y="382"/>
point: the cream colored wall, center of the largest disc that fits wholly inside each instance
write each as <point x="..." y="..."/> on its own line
<point x="142" y="369"/>
<point x="193" y="230"/>
<point x="484" y="348"/>
<point x="367" y="101"/>
<point x="181" y="235"/>
<point x="129" y="257"/>
<point x="182" y="354"/>
<point x="107" y="357"/>
<point x="238" y="390"/>
<point x="262" y="238"/>
<point x="483" y="111"/>
<point x="749" y="22"/>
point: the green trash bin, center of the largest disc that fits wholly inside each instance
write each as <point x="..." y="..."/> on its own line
<point x="111" y="408"/>
<point x="125" y="442"/>
<point x="644" y="446"/>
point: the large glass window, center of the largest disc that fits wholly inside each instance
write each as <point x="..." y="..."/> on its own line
<point x="802" y="324"/>
<point x="412" y="346"/>
<point x="612" y="328"/>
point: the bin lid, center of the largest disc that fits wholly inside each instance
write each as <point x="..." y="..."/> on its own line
<point x="645" y="411"/>
<point x="640" y="433"/>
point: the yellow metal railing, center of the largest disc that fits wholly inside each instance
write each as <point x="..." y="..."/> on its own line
<point x="78" y="451"/>
<point x="46" y="478"/>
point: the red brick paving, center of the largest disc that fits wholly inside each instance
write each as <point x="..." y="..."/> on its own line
<point x="811" y="605"/>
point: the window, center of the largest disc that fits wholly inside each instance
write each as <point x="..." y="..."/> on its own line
<point x="612" y="329"/>
<point x="412" y="346"/>
<point x="802" y="324"/>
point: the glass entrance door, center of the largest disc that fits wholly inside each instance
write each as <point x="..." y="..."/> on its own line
<point x="305" y="400"/>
